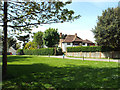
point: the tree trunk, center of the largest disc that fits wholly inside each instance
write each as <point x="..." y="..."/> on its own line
<point x="4" y="64"/>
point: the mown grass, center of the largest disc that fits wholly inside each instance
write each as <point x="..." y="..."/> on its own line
<point x="35" y="73"/>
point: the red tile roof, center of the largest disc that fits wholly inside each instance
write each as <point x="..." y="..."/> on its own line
<point x="75" y="38"/>
<point x="87" y="41"/>
<point x="72" y="38"/>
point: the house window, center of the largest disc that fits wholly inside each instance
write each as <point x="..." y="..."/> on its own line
<point x="76" y="43"/>
<point x="68" y="43"/>
<point x="83" y="44"/>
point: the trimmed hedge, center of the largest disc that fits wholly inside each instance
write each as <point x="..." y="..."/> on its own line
<point x="89" y="49"/>
<point x="20" y="52"/>
<point x="43" y="51"/>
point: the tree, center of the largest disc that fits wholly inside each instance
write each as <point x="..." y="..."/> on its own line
<point x="0" y="40"/>
<point x="30" y="45"/>
<point x="11" y="42"/>
<point x="16" y="46"/>
<point x="51" y="37"/>
<point x="24" y="39"/>
<point x="107" y="31"/>
<point x="21" y="16"/>
<point x="38" y="38"/>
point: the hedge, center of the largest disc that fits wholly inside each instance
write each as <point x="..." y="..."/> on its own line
<point x="20" y="52"/>
<point x="89" y="49"/>
<point x="43" y="51"/>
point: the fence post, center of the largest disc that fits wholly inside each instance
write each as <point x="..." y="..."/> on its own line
<point x="109" y="59"/>
<point x="90" y="54"/>
<point x="100" y="54"/>
<point x="83" y="57"/>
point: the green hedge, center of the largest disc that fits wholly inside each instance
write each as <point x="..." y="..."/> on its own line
<point x="43" y="51"/>
<point x="89" y="49"/>
<point x="20" y="52"/>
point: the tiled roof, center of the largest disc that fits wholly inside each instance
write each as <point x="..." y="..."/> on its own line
<point x="87" y="41"/>
<point x="75" y="38"/>
<point x="72" y="38"/>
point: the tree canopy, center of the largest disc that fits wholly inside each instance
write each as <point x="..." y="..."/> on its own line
<point x="24" y="38"/>
<point x="38" y="38"/>
<point x="107" y="31"/>
<point x="51" y="37"/>
<point x="20" y="17"/>
<point x="11" y="42"/>
<point x="23" y="15"/>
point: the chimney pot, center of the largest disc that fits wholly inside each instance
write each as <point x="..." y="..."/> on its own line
<point x="75" y="34"/>
<point x="60" y="34"/>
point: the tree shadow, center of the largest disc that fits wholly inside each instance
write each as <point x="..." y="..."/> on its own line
<point x="42" y="76"/>
<point x="18" y="58"/>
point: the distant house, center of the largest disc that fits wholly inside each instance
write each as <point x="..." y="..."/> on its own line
<point x="72" y="41"/>
<point x="12" y="50"/>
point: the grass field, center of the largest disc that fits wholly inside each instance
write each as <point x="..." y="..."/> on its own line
<point x="35" y="72"/>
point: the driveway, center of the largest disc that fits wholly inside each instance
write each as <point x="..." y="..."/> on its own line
<point x="90" y="59"/>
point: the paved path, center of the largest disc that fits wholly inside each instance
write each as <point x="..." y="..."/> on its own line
<point x="87" y="59"/>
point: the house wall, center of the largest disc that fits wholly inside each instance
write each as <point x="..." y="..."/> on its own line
<point x="12" y="50"/>
<point x="85" y="44"/>
<point x="64" y="46"/>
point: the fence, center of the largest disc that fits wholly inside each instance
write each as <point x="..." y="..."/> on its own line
<point x="113" y="54"/>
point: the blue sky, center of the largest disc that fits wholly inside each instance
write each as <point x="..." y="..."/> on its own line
<point x="89" y="12"/>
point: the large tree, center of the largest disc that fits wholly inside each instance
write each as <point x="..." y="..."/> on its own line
<point x="19" y="17"/>
<point x="24" y="39"/>
<point x="38" y="39"/>
<point x="107" y="31"/>
<point x="51" y="37"/>
<point x="11" y="41"/>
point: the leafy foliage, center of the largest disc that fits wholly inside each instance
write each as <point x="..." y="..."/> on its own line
<point x="22" y="16"/>
<point x="20" y="52"/>
<point x="11" y="42"/>
<point x="24" y="38"/>
<point x="41" y="51"/>
<point x="89" y="49"/>
<point x="38" y="38"/>
<point x="30" y="45"/>
<point x="51" y="37"/>
<point x="107" y="31"/>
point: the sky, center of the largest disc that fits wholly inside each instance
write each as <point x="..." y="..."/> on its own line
<point x="89" y="12"/>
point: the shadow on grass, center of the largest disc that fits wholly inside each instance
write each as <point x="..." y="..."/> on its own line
<point x="17" y="58"/>
<point x="42" y="76"/>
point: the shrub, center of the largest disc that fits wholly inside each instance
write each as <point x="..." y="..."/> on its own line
<point x="20" y="52"/>
<point x="89" y="49"/>
<point x="59" y="51"/>
<point x="41" y="51"/>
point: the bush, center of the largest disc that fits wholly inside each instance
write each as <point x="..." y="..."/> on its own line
<point x="59" y="51"/>
<point x="20" y="52"/>
<point x="89" y="49"/>
<point x="42" y="51"/>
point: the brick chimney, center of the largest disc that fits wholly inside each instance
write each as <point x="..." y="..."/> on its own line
<point x="75" y="34"/>
<point x="60" y="34"/>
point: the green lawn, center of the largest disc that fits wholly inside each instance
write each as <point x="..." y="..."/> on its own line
<point x="35" y="72"/>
